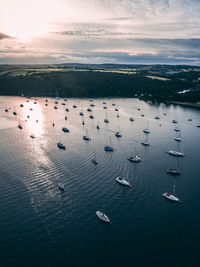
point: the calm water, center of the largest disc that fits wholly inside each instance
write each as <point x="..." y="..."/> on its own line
<point x="42" y="226"/>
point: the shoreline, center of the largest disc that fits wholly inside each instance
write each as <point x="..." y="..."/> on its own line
<point x="186" y="104"/>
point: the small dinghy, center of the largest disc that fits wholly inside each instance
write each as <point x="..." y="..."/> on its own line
<point x="103" y="217"/>
<point x="170" y="197"/>
<point x="94" y="161"/>
<point x="61" y="185"/>
<point x="123" y="181"/>
<point x="61" y="146"/>
<point x="134" y="159"/>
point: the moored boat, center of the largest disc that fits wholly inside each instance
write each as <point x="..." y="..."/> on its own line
<point x="103" y="217"/>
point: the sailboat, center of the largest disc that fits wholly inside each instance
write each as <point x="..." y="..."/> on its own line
<point x="103" y="217"/>
<point x="171" y="197"/>
<point x="86" y="137"/>
<point x="106" y="119"/>
<point x="146" y="130"/>
<point x="118" y="134"/>
<point x="145" y="142"/>
<point x="122" y="181"/>
<point x="98" y="126"/>
<point x="174" y="171"/>
<point x="135" y="158"/>
<point x="60" y="145"/>
<point x="61" y="186"/>
<point x="109" y="148"/>
<point x="94" y="161"/>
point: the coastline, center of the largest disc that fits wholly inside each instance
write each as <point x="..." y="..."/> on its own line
<point x="187" y="104"/>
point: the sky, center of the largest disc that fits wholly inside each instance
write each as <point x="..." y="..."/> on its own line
<point x="100" y="31"/>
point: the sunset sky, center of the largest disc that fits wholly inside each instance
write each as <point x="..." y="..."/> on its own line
<point x="100" y="31"/>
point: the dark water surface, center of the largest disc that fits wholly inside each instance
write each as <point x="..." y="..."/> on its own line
<point x="42" y="226"/>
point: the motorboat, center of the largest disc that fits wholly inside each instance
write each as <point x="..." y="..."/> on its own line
<point x="61" y="185"/>
<point x="198" y="126"/>
<point x="113" y="104"/>
<point x="109" y="148"/>
<point x="46" y="104"/>
<point x="173" y="172"/>
<point x="61" y="146"/>
<point x="92" y="105"/>
<point x="123" y="181"/>
<point x="56" y="102"/>
<point x="142" y="115"/>
<point x="103" y="217"/>
<point x="118" y="134"/>
<point x="65" y="117"/>
<point x="135" y="159"/>
<point x="104" y="103"/>
<point x="63" y="104"/>
<point x="66" y="130"/>
<point x="146" y="131"/>
<point x="170" y="197"/>
<point x="175" y="153"/>
<point x="6" y="110"/>
<point x="178" y="139"/>
<point x="131" y="119"/>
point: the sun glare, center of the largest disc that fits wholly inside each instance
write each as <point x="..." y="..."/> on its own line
<point x="25" y="19"/>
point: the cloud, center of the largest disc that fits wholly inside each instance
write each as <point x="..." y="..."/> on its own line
<point x="4" y="36"/>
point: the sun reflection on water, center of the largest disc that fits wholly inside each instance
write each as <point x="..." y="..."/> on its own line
<point x="33" y="115"/>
